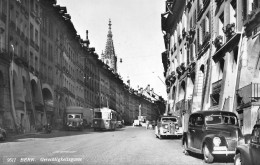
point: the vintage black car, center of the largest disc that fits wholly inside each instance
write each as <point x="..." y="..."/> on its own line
<point x="212" y="133"/>
<point x="249" y="153"/>
<point x="168" y="126"/>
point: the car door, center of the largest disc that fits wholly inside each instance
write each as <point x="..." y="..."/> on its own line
<point x="198" y="131"/>
<point x="255" y="146"/>
<point x="191" y="131"/>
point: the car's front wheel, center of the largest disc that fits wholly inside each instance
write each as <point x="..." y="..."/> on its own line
<point x="208" y="157"/>
<point x="238" y="160"/>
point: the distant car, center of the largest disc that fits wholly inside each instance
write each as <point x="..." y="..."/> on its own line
<point x="249" y="153"/>
<point x="168" y="126"/>
<point x="119" y="124"/>
<point x="2" y="134"/>
<point x="136" y="123"/>
<point x="212" y="133"/>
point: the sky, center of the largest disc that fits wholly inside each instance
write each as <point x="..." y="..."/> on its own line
<point x="137" y="36"/>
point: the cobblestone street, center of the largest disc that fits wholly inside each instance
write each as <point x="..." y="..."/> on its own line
<point x="128" y="145"/>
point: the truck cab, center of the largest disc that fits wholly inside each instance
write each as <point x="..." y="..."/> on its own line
<point x="74" y="118"/>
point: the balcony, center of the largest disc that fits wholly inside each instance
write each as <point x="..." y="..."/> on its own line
<point x="248" y="95"/>
<point x="231" y="43"/>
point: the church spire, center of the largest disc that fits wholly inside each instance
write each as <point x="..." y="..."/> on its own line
<point x="109" y="35"/>
<point x="109" y="57"/>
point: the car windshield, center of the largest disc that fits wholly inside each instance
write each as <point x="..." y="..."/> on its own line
<point x="98" y="115"/>
<point x="77" y="116"/>
<point x="169" y="119"/>
<point x="221" y="119"/>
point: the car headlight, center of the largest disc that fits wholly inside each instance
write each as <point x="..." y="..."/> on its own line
<point x="176" y="126"/>
<point x="216" y="141"/>
<point x="166" y="126"/>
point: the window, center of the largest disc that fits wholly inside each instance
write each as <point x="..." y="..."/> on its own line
<point x="199" y="121"/>
<point x="77" y="116"/>
<point x="232" y="14"/>
<point x="36" y="36"/>
<point x="98" y="115"/>
<point x="31" y="31"/>
<point x="32" y="5"/>
<point x="192" y="120"/>
<point x="255" y="135"/>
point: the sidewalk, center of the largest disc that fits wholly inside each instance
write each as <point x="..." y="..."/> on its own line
<point x="17" y="136"/>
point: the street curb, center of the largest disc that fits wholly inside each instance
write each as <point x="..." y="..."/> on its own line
<point x="14" y="136"/>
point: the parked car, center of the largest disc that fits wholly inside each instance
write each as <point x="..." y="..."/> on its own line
<point x="119" y="124"/>
<point x="136" y="123"/>
<point x="168" y="126"/>
<point x="212" y="133"/>
<point x="249" y="153"/>
<point x="2" y="134"/>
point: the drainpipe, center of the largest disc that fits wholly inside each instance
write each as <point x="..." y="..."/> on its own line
<point x="11" y="91"/>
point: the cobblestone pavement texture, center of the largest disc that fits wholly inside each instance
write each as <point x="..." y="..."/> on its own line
<point x="128" y="145"/>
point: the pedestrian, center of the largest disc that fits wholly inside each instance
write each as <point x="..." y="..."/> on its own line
<point x="147" y="124"/>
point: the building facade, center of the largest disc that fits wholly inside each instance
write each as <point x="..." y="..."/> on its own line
<point x="208" y="50"/>
<point x="46" y="66"/>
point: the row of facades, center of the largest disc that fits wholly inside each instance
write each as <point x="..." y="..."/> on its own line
<point x="45" y="66"/>
<point x="212" y="57"/>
